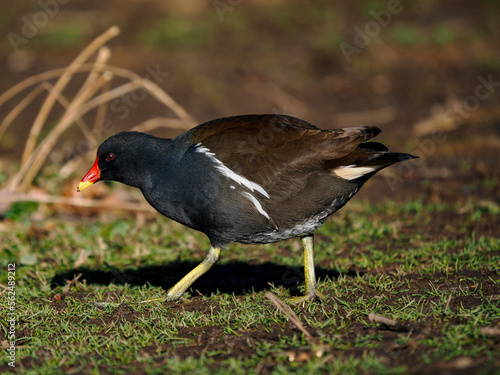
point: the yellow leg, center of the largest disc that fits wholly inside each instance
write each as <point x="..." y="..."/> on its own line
<point x="309" y="273"/>
<point x="178" y="289"/>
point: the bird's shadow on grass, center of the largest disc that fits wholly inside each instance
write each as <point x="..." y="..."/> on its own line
<point x="233" y="277"/>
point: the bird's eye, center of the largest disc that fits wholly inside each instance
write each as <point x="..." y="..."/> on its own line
<point x="110" y="157"/>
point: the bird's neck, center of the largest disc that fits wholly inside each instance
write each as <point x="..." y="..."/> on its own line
<point x="151" y="163"/>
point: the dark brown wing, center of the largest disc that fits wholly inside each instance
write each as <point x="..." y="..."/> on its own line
<point x="286" y="156"/>
<point x="264" y="147"/>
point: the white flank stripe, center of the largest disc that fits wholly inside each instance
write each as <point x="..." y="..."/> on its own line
<point x="252" y="186"/>
<point x="256" y="203"/>
<point x="202" y="150"/>
<point x="351" y="172"/>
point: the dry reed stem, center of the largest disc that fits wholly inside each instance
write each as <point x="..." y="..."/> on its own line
<point x="125" y="89"/>
<point x="100" y="116"/>
<point x="31" y="167"/>
<point x="20" y="107"/>
<point x="36" y="79"/>
<point x="33" y="80"/>
<point x="103" y="55"/>
<point x="146" y="126"/>
<point x="99" y="79"/>
<point x="160" y="122"/>
<point x="61" y="84"/>
<point x="76" y="110"/>
<point x="16" y="111"/>
<point x="288" y="312"/>
<point x="108" y="96"/>
<point x="166" y="99"/>
<point x="136" y="82"/>
<point x="158" y="93"/>
<point x="77" y="202"/>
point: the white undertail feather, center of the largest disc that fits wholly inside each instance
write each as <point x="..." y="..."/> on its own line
<point x="351" y="172"/>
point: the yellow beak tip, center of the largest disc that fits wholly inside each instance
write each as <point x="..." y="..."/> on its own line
<point x="83" y="185"/>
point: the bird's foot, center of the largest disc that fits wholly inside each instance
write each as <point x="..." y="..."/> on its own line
<point x="309" y="297"/>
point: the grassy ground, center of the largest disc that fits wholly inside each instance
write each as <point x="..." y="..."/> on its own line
<point x="419" y="245"/>
<point x="440" y="282"/>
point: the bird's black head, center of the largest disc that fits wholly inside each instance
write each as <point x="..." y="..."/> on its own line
<point x="126" y="157"/>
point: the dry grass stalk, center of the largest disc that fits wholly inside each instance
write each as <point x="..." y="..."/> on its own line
<point x="166" y="99"/>
<point x="103" y="56"/>
<point x="95" y="93"/>
<point x="32" y="166"/>
<point x="146" y="126"/>
<point x="41" y="78"/>
<point x="160" y="122"/>
<point x="61" y="84"/>
<point x="159" y="94"/>
<point x="392" y="324"/>
<point x="374" y="318"/>
<point x="100" y="116"/>
<point x="70" y="283"/>
<point x="77" y="109"/>
<point x="36" y="79"/>
<point x="77" y="202"/>
<point x="288" y="312"/>
<point x="17" y="110"/>
<point x="490" y="331"/>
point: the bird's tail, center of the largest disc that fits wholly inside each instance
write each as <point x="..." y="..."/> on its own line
<point x="366" y="160"/>
<point x="379" y="155"/>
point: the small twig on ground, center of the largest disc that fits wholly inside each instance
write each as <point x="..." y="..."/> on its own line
<point x="390" y="323"/>
<point x="5" y="289"/>
<point x="152" y="300"/>
<point x="288" y="312"/>
<point x="71" y="283"/>
<point x="490" y="331"/>
<point x="374" y="318"/>
<point x="35" y="276"/>
<point x="447" y="303"/>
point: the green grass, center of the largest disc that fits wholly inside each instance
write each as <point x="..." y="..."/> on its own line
<point x="385" y="259"/>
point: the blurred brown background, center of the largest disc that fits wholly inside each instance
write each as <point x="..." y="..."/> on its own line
<point x="426" y="72"/>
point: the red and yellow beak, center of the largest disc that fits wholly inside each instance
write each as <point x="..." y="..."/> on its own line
<point x="92" y="176"/>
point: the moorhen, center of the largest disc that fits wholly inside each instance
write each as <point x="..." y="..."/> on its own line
<point x="251" y="179"/>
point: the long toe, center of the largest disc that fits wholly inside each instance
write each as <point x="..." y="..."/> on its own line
<point x="310" y="297"/>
